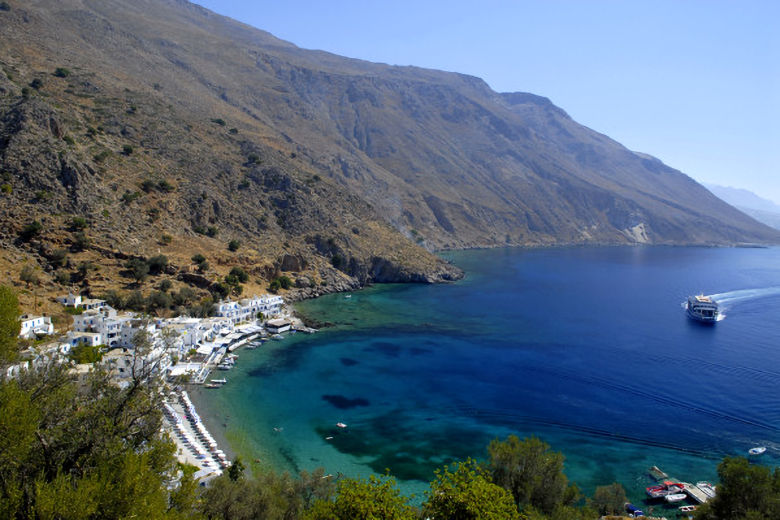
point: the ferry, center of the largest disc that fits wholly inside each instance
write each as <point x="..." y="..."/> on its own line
<point x="702" y="308"/>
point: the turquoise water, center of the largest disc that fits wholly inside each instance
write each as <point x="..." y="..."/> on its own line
<point x="587" y="348"/>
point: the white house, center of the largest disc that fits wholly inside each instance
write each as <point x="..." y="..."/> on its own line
<point x="92" y="339"/>
<point x="248" y="308"/>
<point x="278" y="325"/>
<point x="105" y="321"/>
<point x="34" y="325"/>
<point x="80" y="302"/>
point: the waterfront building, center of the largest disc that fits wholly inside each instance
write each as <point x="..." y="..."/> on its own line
<point x="248" y="308"/>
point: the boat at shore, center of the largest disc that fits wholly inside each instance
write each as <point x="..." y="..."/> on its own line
<point x="702" y="309"/>
<point x="663" y="490"/>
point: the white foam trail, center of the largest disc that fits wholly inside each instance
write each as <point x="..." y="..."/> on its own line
<point x="741" y="295"/>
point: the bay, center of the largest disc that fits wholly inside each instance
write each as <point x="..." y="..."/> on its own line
<point x="587" y="348"/>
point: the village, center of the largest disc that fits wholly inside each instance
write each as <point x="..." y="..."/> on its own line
<point x="172" y="350"/>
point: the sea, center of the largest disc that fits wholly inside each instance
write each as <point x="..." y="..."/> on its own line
<point x="586" y="348"/>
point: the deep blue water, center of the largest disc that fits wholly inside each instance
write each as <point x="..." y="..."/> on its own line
<point x="587" y="348"/>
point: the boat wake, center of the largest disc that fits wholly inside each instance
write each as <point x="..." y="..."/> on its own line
<point x="728" y="299"/>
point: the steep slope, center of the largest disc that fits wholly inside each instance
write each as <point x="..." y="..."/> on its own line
<point x="158" y="117"/>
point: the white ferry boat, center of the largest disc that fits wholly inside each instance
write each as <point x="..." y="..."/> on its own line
<point x="702" y="308"/>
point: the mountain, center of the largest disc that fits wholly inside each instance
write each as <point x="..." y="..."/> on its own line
<point x="761" y="209"/>
<point x="174" y="130"/>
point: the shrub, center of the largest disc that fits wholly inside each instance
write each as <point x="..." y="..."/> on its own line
<point x="159" y="300"/>
<point x="212" y="231"/>
<point x="29" y="275"/>
<point x="219" y="121"/>
<point x="338" y="261"/>
<point x="147" y="185"/>
<point x="102" y="156"/>
<point x="157" y="264"/>
<point x="199" y="230"/>
<point x="127" y="149"/>
<point x="233" y="245"/>
<point x="81" y="241"/>
<point x="62" y="278"/>
<point x="58" y="258"/>
<point x="31" y="230"/>
<point x="240" y="274"/>
<point x="138" y="269"/>
<point x="253" y="158"/>
<point x="86" y="354"/>
<point x="233" y="131"/>
<point x="203" y="267"/>
<point x="165" y="186"/>
<point x="198" y="258"/>
<point x="25" y="92"/>
<point x="6" y="188"/>
<point x="165" y="238"/>
<point x="280" y="282"/>
<point x="61" y="72"/>
<point x="78" y="223"/>
<point x="165" y="285"/>
<point x="135" y="302"/>
<point x="128" y="197"/>
<point x="36" y="83"/>
<point x="68" y="139"/>
<point x="219" y="290"/>
<point x="184" y="297"/>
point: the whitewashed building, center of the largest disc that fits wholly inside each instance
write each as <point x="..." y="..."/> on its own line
<point x="248" y="308"/>
<point x="80" y="302"/>
<point x="32" y="326"/>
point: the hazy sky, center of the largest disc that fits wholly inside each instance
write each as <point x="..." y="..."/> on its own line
<point x="695" y="83"/>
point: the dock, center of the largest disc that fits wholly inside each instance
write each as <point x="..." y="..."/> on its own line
<point x="695" y="493"/>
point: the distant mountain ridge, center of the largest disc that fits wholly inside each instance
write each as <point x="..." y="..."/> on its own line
<point x="761" y="209"/>
<point x="346" y="165"/>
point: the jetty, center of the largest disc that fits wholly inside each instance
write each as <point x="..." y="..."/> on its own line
<point x="700" y="492"/>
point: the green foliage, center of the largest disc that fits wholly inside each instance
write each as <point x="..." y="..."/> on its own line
<point x="31" y="230"/>
<point x="212" y="231"/>
<point x="165" y="285"/>
<point x="746" y="491"/>
<point x="465" y="492"/>
<point x="9" y="325"/>
<point x="148" y="185"/>
<point x="233" y="131"/>
<point x="239" y="274"/>
<point x="219" y="121"/>
<point x="375" y="498"/>
<point x="75" y="311"/>
<point x="233" y="245"/>
<point x="81" y="241"/>
<point x="165" y="186"/>
<point x="86" y="354"/>
<point x="253" y="158"/>
<point x="159" y="300"/>
<point x="338" y="261"/>
<point x="157" y="264"/>
<point x="198" y="258"/>
<point x="6" y="188"/>
<point x="29" y="275"/>
<point x="184" y="296"/>
<point x="62" y="278"/>
<point x="101" y="156"/>
<point x="219" y="290"/>
<point x="78" y="223"/>
<point x="68" y="139"/>
<point x="36" y="83"/>
<point x="128" y="196"/>
<point x="137" y="269"/>
<point x="609" y="500"/>
<point x="166" y="239"/>
<point x="135" y="301"/>
<point x="127" y="149"/>
<point x="531" y="472"/>
<point x="58" y="258"/>
<point x="236" y="470"/>
<point x="86" y="452"/>
<point x="61" y="72"/>
<point x="280" y="282"/>
<point x="25" y="92"/>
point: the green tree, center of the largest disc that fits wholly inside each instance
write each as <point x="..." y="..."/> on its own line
<point x="91" y="451"/>
<point x="746" y="491"/>
<point x="157" y="264"/>
<point x="375" y="498"/>
<point x="233" y="245"/>
<point x="29" y="275"/>
<point x="138" y="269"/>
<point x="465" y="492"/>
<point x="9" y="324"/>
<point x="78" y="223"/>
<point x="239" y="274"/>
<point x="82" y="353"/>
<point x="531" y="472"/>
<point x="31" y="230"/>
<point x="609" y="500"/>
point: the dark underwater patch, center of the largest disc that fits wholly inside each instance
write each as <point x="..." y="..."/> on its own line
<point x="383" y="347"/>
<point x="348" y="362"/>
<point x="345" y="403"/>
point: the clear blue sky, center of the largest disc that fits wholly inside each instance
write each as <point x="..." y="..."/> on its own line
<point x="695" y="83"/>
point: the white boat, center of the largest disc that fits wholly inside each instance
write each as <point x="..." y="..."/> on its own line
<point x="675" y="497"/>
<point x="687" y="509"/>
<point x="702" y="308"/>
<point x="706" y="488"/>
<point x="341" y="425"/>
<point x="758" y="450"/>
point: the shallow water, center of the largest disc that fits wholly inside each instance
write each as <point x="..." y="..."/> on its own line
<point x="587" y="348"/>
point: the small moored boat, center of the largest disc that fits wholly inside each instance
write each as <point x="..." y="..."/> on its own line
<point x="758" y="450"/>
<point x="675" y="497"/>
<point x="341" y="425"/>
